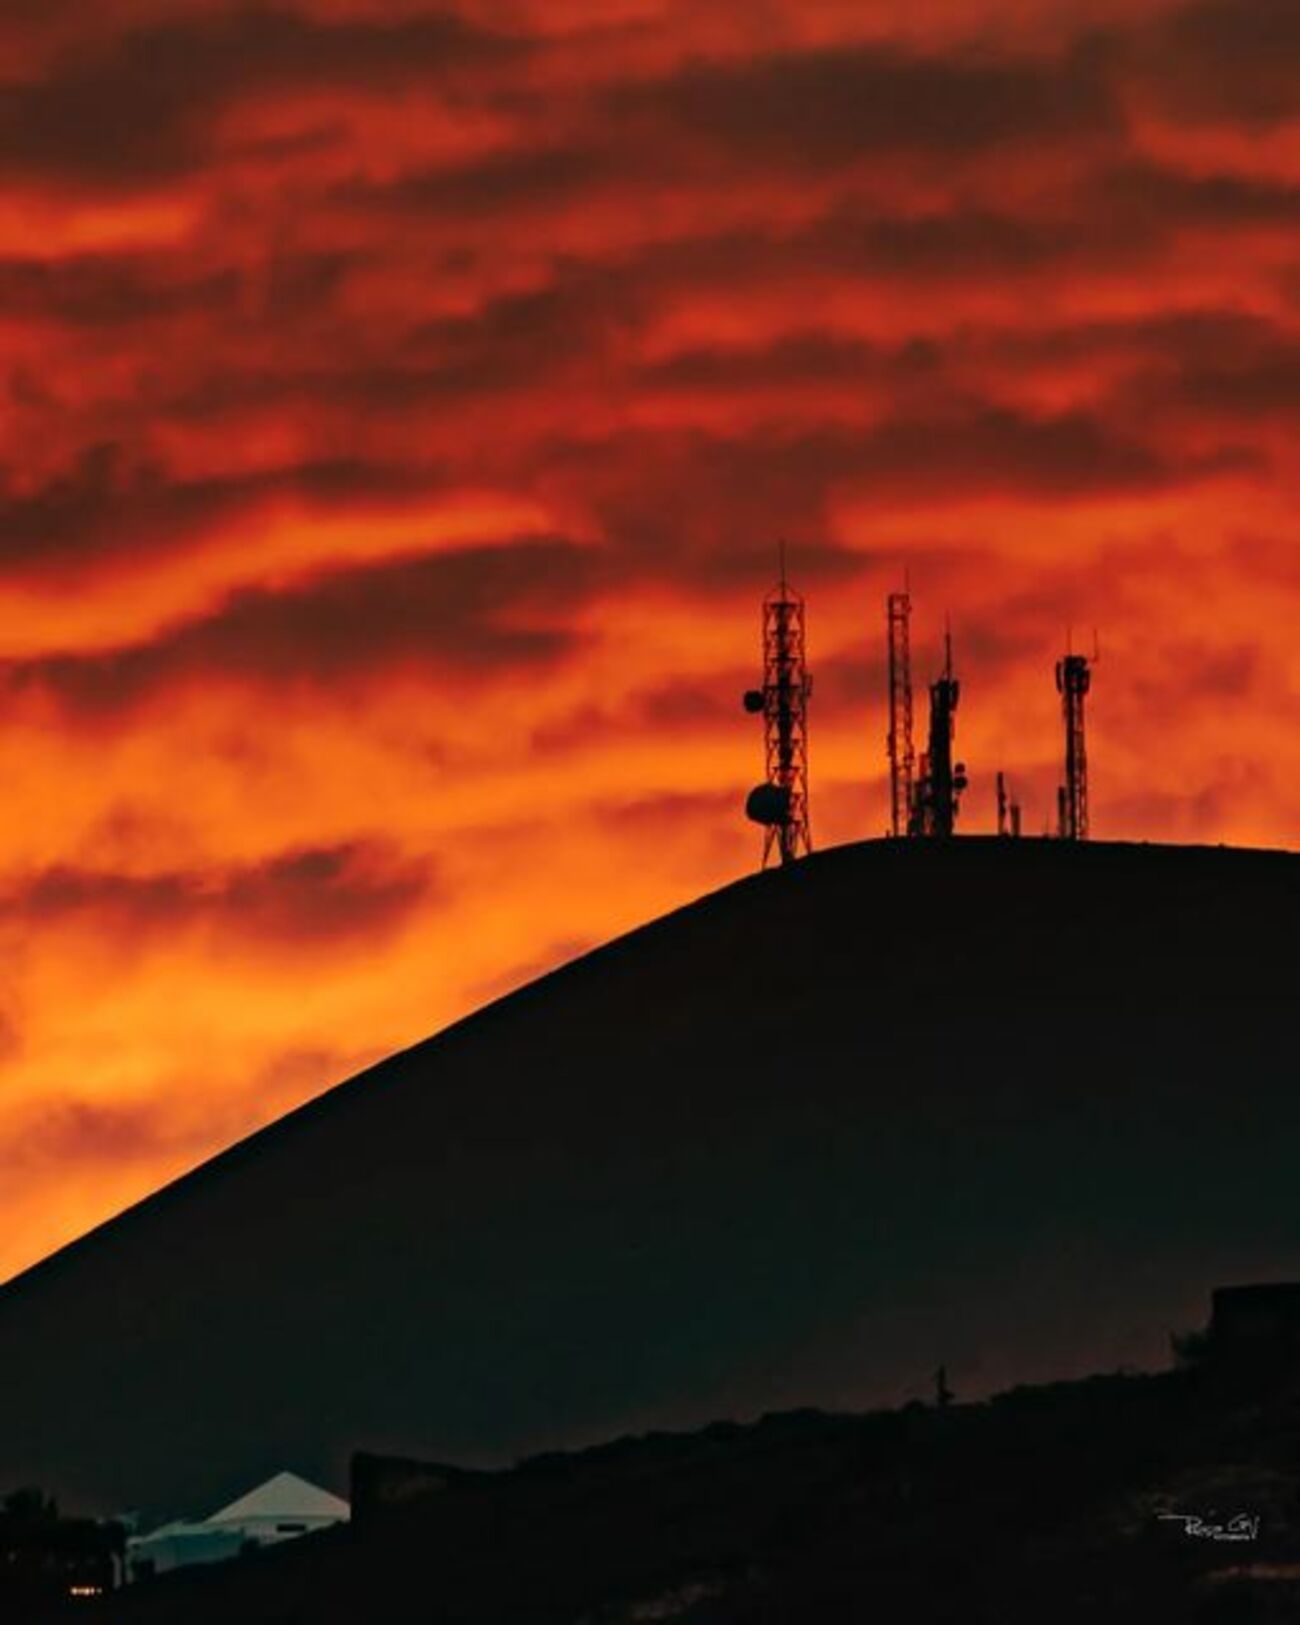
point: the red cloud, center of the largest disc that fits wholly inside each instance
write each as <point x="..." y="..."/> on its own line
<point x="401" y="403"/>
<point x="310" y="899"/>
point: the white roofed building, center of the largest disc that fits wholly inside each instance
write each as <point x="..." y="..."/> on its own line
<point x="284" y="1506"/>
<point x="281" y="1509"/>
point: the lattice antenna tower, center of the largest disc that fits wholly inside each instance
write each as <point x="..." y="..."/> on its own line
<point x="902" y="757"/>
<point x="780" y="803"/>
<point x="945" y="779"/>
<point x="1073" y="680"/>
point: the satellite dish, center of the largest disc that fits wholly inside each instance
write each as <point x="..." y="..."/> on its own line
<point x="768" y="804"/>
<point x="753" y="700"/>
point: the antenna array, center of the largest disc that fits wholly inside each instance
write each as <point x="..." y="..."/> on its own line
<point x="780" y="803"/>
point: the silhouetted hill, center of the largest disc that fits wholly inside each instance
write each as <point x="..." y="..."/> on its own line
<point x="1044" y="1504"/>
<point x="1015" y="1106"/>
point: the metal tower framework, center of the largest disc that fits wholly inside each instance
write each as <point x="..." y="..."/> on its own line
<point x="942" y="781"/>
<point x="902" y="759"/>
<point x="1073" y="680"/>
<point x="780" y="804"/>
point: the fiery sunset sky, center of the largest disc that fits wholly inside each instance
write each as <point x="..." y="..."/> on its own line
<point x="400" y="405"/>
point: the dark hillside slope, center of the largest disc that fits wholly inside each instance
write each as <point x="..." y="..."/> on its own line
<point x="1043" y="1504"/>
<point x="1014" y="1106"/>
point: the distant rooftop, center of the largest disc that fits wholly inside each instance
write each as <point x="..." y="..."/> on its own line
<point x="284" y="1496"/>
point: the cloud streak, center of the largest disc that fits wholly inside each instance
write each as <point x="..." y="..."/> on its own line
<point x="309" y="899"/>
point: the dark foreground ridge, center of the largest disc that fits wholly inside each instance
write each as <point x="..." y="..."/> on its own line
<point x="1014" y="1106"/>
<point x="1128" y="1500"/>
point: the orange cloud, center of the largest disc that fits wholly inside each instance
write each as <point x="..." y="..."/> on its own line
<point x="399" y="403"/>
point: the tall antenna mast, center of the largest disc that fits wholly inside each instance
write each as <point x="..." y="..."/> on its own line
<point x="1073" y="680"/>
<point x="780" y="803"/>
<point x="942" y="780"/>
<point x="902" y="760"/>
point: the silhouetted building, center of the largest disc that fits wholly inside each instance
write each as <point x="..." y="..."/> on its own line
<point x="282" y="1508"/>
<point x="46" y="1559"/>
<point x="1256" y="1326"/>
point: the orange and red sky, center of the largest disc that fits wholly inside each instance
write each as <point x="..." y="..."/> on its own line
<point x="400" y="404"/>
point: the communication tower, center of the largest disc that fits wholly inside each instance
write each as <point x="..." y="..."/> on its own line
<point x="1073" y="680"/>
<point x="902" y="762"/>
<point x="780" y="803"/>
<point x="941" y="780"/>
